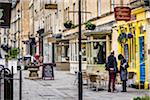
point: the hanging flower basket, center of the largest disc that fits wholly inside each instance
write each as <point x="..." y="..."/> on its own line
<point x="13" y="52"/>
<point x="89" y="26"/>
<point x="130" y="35"/>
<point x="68" y="24"/>
<point x="122" y="38"/>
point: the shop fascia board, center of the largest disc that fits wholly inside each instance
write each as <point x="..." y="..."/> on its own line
<point x="138" y="10"/>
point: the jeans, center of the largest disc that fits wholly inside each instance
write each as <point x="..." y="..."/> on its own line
<point x="112" y="77"/>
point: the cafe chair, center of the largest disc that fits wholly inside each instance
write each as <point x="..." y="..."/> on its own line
<point x="85" y="78"/>
<point x="94" y="81"/>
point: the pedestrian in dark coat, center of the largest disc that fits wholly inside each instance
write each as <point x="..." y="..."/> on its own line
<point x="111" y="66"/>
<point x="123" y="71"/>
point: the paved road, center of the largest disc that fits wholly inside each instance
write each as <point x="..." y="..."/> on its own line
<point x="62" y="88"/>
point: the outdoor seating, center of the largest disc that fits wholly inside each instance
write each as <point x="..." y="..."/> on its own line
<point x="85" y="78"/>
<point x="95" y="81"/>
<point x="104" y="79"/>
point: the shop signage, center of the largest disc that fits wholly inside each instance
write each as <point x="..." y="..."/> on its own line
<point x="5" y="15"/>
<point x="50" y="6"/>
<point x="122" y="13"/>
<point x="48" y="71"/>
<point x="139" y="3"/>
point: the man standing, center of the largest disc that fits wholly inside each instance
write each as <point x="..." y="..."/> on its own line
<point x="111" y="66"/>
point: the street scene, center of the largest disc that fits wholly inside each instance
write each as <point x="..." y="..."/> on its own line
<point x="74" y="50"/>
<point x="63" y="88"/>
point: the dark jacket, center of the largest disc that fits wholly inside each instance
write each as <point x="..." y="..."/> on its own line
<point x="112" y="63"/>
<point x="123" y="69"/>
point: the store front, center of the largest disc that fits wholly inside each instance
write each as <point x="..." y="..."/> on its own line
<point x="74" y="54"/>
<point x="60" y="49"/>
<point x="98" y="46"/>
<point x="134" y="45"/>
<point x="62" y="54"/>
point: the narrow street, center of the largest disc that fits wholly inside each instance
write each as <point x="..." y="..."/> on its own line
<point x="62" y="88"/>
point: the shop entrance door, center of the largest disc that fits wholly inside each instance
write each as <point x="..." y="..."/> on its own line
<point x="142" y="62"/>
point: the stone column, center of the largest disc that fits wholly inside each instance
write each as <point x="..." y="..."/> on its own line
<point x="108" y="47"/>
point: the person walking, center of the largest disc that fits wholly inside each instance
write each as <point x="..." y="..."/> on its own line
<point x="111" y="66"/>
<point x="123" y="71"/>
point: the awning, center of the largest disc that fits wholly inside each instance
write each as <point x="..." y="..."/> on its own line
<point x="51" y="39"/>
<point x="103" y="29"/>
<point x="56" y="38"/>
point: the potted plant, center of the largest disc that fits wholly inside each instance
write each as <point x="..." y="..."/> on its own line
<point x="13" y="53"/>
<point x="142" y="98"/>
<point x="122" y="38"/>
<point x="89" y="26"/>
<point x="68" y="24"/>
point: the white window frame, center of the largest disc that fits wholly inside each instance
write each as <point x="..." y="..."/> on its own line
<point x="99" y="7"/>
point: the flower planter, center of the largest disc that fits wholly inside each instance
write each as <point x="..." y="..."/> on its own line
<point x="122" y="38"/>
<point x="68" y="24"/>
<point x="90" y="26"/>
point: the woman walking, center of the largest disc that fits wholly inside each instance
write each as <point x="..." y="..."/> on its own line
<point x="123" y="71"/>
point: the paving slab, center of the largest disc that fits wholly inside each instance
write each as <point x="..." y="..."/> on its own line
<point x="62" y="88"/>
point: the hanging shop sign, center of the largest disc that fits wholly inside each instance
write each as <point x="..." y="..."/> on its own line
<point x="122" y="13"/>
<point x="5" y="15"/>
<point x="50" y="6"/>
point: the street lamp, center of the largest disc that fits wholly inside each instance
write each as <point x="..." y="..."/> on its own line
<point x="80" y="88"/>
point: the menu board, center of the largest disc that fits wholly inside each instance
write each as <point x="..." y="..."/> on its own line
<point x="48" y="72"/>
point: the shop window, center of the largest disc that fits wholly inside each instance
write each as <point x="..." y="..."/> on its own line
<point x="126" y="52"/>
<point x="99" y="52"/>
<point x="99" y="7"/>
<point x="112" y="5"/>
<point x="132" y="47"/>
<point x="83" y="48"/>
<point x="141" y="30"/>
<point x="62" y="53"/>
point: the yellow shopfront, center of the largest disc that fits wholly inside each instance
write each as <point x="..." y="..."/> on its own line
<point x="132" y="44"/>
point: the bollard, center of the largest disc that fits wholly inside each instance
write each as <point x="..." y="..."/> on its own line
<point x="20" y="85"/>
<point x="1" y="71"/>
<point x="8" y="82"/>
<point x="7" y="87"/>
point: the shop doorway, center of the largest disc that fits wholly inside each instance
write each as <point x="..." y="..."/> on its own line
<point x="142" y="60"/>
